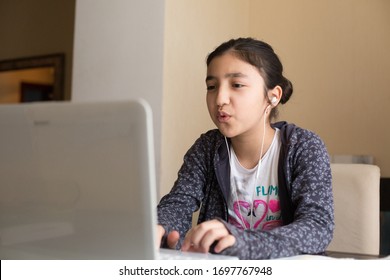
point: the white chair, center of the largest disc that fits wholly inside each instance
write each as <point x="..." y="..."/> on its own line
<point x="357" y="210"/>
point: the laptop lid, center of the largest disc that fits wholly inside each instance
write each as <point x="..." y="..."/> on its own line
<point x="77" y="181"/>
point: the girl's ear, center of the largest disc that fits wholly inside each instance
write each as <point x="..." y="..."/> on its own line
<point x="274" y="95"/>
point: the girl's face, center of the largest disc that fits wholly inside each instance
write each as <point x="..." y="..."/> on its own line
<point x="235" y="96"/>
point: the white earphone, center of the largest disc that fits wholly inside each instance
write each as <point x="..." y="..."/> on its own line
<point x="274" y="101"/>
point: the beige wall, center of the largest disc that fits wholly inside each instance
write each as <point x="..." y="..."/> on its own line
<point x="334" y="52"/>
<point x="118" y="54"/>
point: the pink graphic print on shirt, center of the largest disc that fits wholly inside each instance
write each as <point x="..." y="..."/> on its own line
<point x="247" y="214"/>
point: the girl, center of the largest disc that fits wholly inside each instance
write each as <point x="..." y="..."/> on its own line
<point x="264" y="190"/>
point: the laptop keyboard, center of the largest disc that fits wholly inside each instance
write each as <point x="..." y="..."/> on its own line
<point x="168" y="254"/>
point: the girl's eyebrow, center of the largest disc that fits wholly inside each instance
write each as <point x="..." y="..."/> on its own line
<point x="209" y="78"/>
<point x="228" y="75"/>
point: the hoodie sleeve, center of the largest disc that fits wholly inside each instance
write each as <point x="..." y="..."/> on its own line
<point x="175" y="210"/>
<point x="310" y="232"/>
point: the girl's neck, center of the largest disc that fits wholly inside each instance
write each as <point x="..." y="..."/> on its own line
<point x="248" y="147"/>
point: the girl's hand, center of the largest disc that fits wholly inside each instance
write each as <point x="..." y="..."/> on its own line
<point x="172" y="238"/>
<point x="201" y="237"/>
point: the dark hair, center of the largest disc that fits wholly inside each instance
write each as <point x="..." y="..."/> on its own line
<point x="262" y="56"/>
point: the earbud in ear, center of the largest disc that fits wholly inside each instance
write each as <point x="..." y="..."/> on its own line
<point x="274" y="101"/>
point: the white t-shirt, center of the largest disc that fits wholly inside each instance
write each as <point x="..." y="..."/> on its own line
<point x="254" y="203"/>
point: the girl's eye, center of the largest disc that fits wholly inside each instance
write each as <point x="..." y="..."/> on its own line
<point x="210" y="87"/>
<point x="238" y="85"/>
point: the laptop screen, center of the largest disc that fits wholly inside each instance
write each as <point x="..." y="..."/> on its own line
<point x="77" y="181"/>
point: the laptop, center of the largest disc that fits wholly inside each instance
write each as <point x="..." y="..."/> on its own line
<point x="77" y="181"/>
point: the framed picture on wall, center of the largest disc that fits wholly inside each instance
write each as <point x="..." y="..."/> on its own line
<point x="31" y="92"/>
<point x="39" y="78"/>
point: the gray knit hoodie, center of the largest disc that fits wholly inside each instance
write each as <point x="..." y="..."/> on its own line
<point x="305" y="193"/>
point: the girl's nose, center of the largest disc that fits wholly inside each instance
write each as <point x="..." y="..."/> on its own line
<point x="222" y="97"/>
